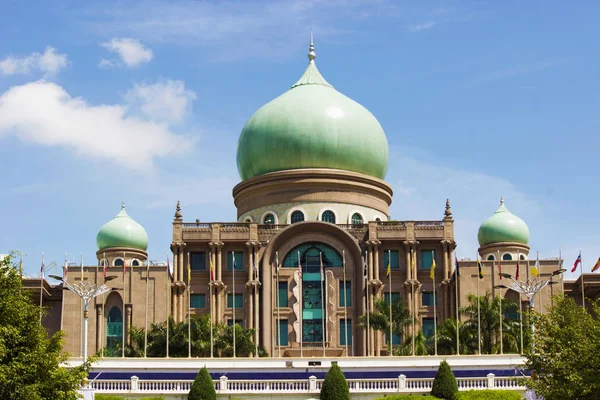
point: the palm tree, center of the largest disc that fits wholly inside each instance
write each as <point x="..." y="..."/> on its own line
<point x="421" y="347"/>
<point x="380" y="318"/>
<point x="446" y="337"/>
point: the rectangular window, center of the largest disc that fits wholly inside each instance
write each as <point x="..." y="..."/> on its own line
<point x="283" y="332"/>
<point x="426" y="259"/>
<point x="198" y="261"/>
<point x="345" y="328"/>
<point x="396" y="339"/>
<point x="237" y="321"/>
<point x="282" y="289"/>
<point x="395" y="297"/>
<point x="428" y="327"/>
<point x="427" y="298"/>
<point x="239" y="261"/>
<point x="347" y="290"/>
<point x="394" y="257"/>
<point x="198" y="300"/>
<point x="239" y="300"/>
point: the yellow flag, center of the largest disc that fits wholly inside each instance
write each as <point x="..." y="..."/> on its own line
<point x="189" y="270"/>
<point x="432" y="271"/>
<point x="389" y="268"/>
<point x="535" y="271"/>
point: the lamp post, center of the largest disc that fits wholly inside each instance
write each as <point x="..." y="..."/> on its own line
<point x="501" y="317"/>
<point x="529" y="288"/>
<point x="87" y="291"/>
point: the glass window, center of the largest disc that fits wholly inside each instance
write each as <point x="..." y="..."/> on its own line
<point x="198" y="300"/>
<point x="328" y="216"/>
<point x="428" y="298"/>
<point x="269" y="219"/>
<point x="395" y="297"/>
<point x="507" y="257"/>
<point x="239" y="260"/>
<point x="135" y="263"/>
<point x="283" y="332"/>
<point x="345" y="328"/>
<point x="357" y="218"/>
<point x="428" y="327"/>
<point x="522" y="257"/>
<point x="114" y="329"/>
<point x="282" y="288"/>
<point x="309" y="257"/>
<point x="394" y="257"/>
<point x="297" y="216"/>
<point x="237" y="322"/>
<point x="119" y="262"/>
<point x="347" y="289"/>
<point x="426" y="258"/>
<point x="239" y="300"/>
<point x="491" y="257"/>
<point x="396" y="339"/>
<point x="198" y="261"/>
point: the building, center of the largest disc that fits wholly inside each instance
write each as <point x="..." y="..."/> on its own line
<point x="312" y="201"/>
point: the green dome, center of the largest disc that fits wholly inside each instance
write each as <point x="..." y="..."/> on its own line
<point x="503" y="226"/>
<point x="122" y="231"/>
<point x="312" y="125"/>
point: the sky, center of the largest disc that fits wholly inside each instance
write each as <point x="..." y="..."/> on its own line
<point x="143" y="102"/>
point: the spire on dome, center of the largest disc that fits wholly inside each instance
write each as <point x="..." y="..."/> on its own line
<point x="311" y="75"/>
<point x="122" y="205"/>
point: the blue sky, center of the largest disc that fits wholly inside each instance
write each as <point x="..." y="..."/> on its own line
<point x="143" y="102"/>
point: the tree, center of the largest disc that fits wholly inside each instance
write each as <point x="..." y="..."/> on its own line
<point x="444" y="384"/>
<point x="446" y="336"/>
<point x="29" y="359"/>
<point x="335" y="386"/>
<point x="203" y="387"/>
<point x="380" y="318"/>
<point x="421" y="347"/>
<point x="567" y="352"/>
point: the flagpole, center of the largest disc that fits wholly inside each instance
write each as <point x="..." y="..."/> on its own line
<point x="146" y="311"/>
<point x="412" y="290"/>
<point x="390" y="283"/>
<point x="233" y="301"/>
<point x="210" y="289"/>
<point x="301" y="297"/>
<point x="367" y="302"/>
<point x="434" y="306"/>
<point x="124" y="313"/>
<point x="582" y="287"/>
<point x="478" y="308"/>
<point x="456" y="276"/>
<point x="345" y="302"/>
<point x="41" y="287"/>
<point x="103" y="336"/>
<point x="278" y="308"/>
<point x="255" y="304"/>
<point x="167" y="304"/>
<point x="189" y="268"/>
<point x="322" y="303"/>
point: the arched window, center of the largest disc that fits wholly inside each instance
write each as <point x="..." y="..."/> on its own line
<point x="328" y="216"/>
<point x="522" y="257"/>
<point x="378" y="219"/>
<point x="248" y="220"/>
<point x="118" y="262"/>
<point x="269" y="219"/>
<point x="297" y="216"/>
<point x="135" y="263"/>
<point x="507" y="257"/>
<point x="491" y="257"/>
<point x="114" y="329"/>
<point x="357" y="218"/>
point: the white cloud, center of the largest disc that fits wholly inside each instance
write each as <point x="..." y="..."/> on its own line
<point x="44" y="113"/>
<point x="516" y="71"/>
<point x="163" y="101"/>
<point x="50" y="63"/>
<point x="421" y="27"/>
<point x="104" y="63"/>
<point x="131" y="51"/>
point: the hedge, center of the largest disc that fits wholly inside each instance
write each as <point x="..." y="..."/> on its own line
<point x="488" y="395"/>
<point x="407" y="397"/>
<point x="99" y="396"/>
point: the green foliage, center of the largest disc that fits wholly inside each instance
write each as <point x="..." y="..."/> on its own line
<point x="488" y="395"/>
<point x="407" y="397"/>
<point x="203" y="387"/>
<point x="335" y="386"/>
<point x="380" y="318"/>
<point x="99" y="396"/>
<point x="446" y="336"/>
<point x="421" y="346"/>
<point x="444" y="384"/>
<point x="29" y="359"/>
<point x="567" y="352"/>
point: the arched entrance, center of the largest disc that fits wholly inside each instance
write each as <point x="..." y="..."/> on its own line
<point x="114" y="330"/>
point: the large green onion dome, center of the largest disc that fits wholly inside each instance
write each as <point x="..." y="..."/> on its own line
<point x="312" y="125"/>
<point x="503" y="226"/>
<point x="122" y="231"/>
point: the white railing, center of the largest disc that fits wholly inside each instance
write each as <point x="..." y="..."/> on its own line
<point x="312" y="385"/>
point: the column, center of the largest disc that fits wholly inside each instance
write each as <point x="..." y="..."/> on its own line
<point x="407" y="257"/>
<point x="220" y="291"/>
<point x="267" y="306"/>
<point x="378" y="335"/>
<point x="99" y="327"/>
<point x="249" y="287"/>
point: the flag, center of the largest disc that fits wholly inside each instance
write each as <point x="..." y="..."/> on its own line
<point x="596" y="266"/>
<point x="517" y="272"/>
<point x="457" y="268"/>
<point x="189" y="268"/>
<point x="299" y="266"/>
<point x="480" y="268"/>
<point x="389" y="265"/>
<point x="499" y="268"/>
<point x="432" y="269"/>
<point x="65" y="268"/>
<point x="413" y="261"/>
<point x="277" y="260"/>
<point x="212" y="268"/>
<point x="42" y="267"/>
<point x="577" y="262"/>
<point x="255" y="267"/>
<point x="168" y="266"/>
<point x="535" y="271"/>
<point x="366" y="268"/>
<point x="321" y="266"/>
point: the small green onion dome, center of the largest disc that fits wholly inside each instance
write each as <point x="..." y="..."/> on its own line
<point x="312" y="125"/>
<point x="503" y="226"/>
<point x="122" y="231"/>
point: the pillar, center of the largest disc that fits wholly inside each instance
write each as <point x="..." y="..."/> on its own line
<point x="267" y="307"/>
<point x="99" y="327"/>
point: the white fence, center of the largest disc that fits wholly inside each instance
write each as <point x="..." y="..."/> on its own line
<point x="402" y="384"/>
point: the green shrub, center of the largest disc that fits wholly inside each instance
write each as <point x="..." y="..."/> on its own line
<point x="335" y="386"/>
<point x="488" y="395"/>
<point x="203" y="387"/>
<point x="99" y="396"/>
<point x="444" y="384"/>
<point x="408" y="397"/>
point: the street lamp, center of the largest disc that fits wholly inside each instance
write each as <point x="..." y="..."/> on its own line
<point x="87" y="291"/>
<point x="501" y="317"/>
<point x="529" y="288"/>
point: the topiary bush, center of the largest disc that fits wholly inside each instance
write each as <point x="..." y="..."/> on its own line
<point x="444" y="384"/>
<point x="335" y="386"/>
<point x="488" y="395"/>
<point x="203" y="387"/>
